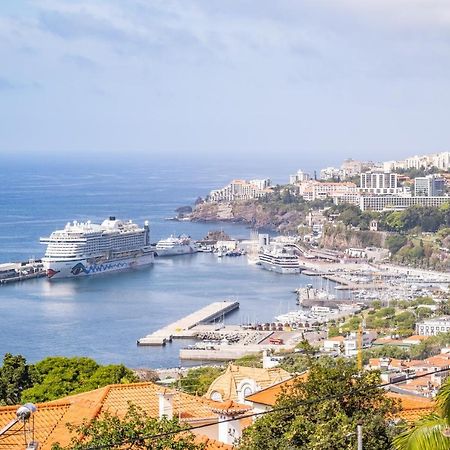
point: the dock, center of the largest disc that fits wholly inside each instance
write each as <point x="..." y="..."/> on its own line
<point x="21" y="271"/>
<point x="183" y="328"/>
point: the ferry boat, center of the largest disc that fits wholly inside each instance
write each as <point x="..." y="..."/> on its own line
<point x="172" y="246"/>
<point x="85" y="248"/>
<point x="279" y="260"/>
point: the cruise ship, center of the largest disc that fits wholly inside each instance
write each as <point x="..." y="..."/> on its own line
<point x="279" y="260"/>
<point x="85" y="248"/>
<point x="172" y="246"/>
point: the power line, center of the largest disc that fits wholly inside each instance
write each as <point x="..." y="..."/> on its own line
<point x="245" y="416"/>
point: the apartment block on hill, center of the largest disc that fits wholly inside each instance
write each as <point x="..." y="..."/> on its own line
<point x="241" y="190"/>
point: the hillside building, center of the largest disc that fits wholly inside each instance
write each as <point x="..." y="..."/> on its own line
<point x="241" y="190"/>
<point x="429" y="186"/>
<point x="396" y="202"/>
<point x="379" y="183"/>
<point x="432" y="327"/>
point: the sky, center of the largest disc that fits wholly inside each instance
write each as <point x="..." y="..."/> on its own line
<point x="305" y="81"/>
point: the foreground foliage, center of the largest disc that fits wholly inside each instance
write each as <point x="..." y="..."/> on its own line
<point x="198" y="380"/>
<point x="55" y="377"/>
<point x="135" y="431"/>
<point x="431" y="432"/>
<point x="15" y="376"/>
<point x="322" y="413"/>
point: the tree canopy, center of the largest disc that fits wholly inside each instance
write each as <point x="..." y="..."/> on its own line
<point x="322" y="412"/>
<point x="15" y="376"/>
<point x="55" y="377"/>
<point x="59" y="376"/>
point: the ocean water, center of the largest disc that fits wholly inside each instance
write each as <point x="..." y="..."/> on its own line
<point x="103" y="316"/>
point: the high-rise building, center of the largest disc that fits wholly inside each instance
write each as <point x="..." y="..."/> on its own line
<point x="429" y="186"/>
<point x="299" y="177"/>
<point x="379" y="183"/>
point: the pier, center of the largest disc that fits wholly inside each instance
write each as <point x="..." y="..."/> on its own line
<point x="13" y="272"/>
<point x="183" y="328"/>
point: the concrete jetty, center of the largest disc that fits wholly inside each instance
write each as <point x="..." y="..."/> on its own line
<point x="21" y="271"/>
<point x="183" y="328"/>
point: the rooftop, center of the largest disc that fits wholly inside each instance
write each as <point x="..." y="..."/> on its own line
<point x="230" y="384"/>
<point x="51" y="418"/>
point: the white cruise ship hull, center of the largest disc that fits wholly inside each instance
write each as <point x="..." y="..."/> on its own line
<point x="176" y="250"/>
<point x="84" y="267"/>
<point x="278" y="268"/>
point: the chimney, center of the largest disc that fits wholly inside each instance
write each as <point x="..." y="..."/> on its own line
<point x="166" y="405"/>
<point x="229" y="427"/>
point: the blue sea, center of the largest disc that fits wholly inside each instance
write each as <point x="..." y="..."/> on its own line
<point x="103" y="316"/>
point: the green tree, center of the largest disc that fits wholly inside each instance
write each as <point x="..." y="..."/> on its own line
<point x="431" y="346"/>
<point x="385" y="351"/>
<point x="135" y="431"/>
<point x="15" y="376"/>
<point x="395" y="243"/>
<point x="322" y="412"/>
<point x="59" y="376"/>
<point x="198" y="380"/>
<point x="432" y="431"/>
<point x="333" y="331"/>
<point x="251" y="360"/>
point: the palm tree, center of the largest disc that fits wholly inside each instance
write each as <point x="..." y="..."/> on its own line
<point x="431" y="432"/>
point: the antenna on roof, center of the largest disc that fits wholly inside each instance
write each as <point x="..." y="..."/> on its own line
<point x="23" y="414"/>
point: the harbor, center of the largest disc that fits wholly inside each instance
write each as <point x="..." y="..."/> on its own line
<point x="186" y="327"/>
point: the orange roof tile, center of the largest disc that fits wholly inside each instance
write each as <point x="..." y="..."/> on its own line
<point x="336" y="339"/>
<point x="415" y="337"/>
<point x="270" y="395"/>
<point x="438" y="360"/>
<point x="412" y="407"/>
<point x="51" y="418"/>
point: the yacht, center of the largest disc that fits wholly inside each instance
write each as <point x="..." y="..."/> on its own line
<point x="279" y="259"/>
<point x="181" y="245"/>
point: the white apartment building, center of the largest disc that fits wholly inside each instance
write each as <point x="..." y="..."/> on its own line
<point x="240" y="190"/>
<point x="299" y="177"/>
<point x="396" y="202"/>
<point x="432" y="327"/>
<point x="319" y="190"/>
<point x="440" y="160"/>
<point x="261" y="184"/>
<point x="379" y="183"/>
<point x="348" y="346"/>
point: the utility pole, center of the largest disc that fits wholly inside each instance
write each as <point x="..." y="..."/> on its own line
<point x="360" y="436"/>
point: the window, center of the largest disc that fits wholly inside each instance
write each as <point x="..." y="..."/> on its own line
<point x="216" y="396"/>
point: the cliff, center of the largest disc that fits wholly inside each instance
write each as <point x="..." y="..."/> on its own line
<point x="339" y="237"/>
<point x="280" y="217"/>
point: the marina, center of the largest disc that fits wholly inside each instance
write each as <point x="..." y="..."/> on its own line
<point x="184" y="328"/>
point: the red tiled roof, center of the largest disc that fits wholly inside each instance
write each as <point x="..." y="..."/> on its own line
<point x="51" y="418"/>
<point x="270" y="395"/>
<point x="412" y="407"/>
